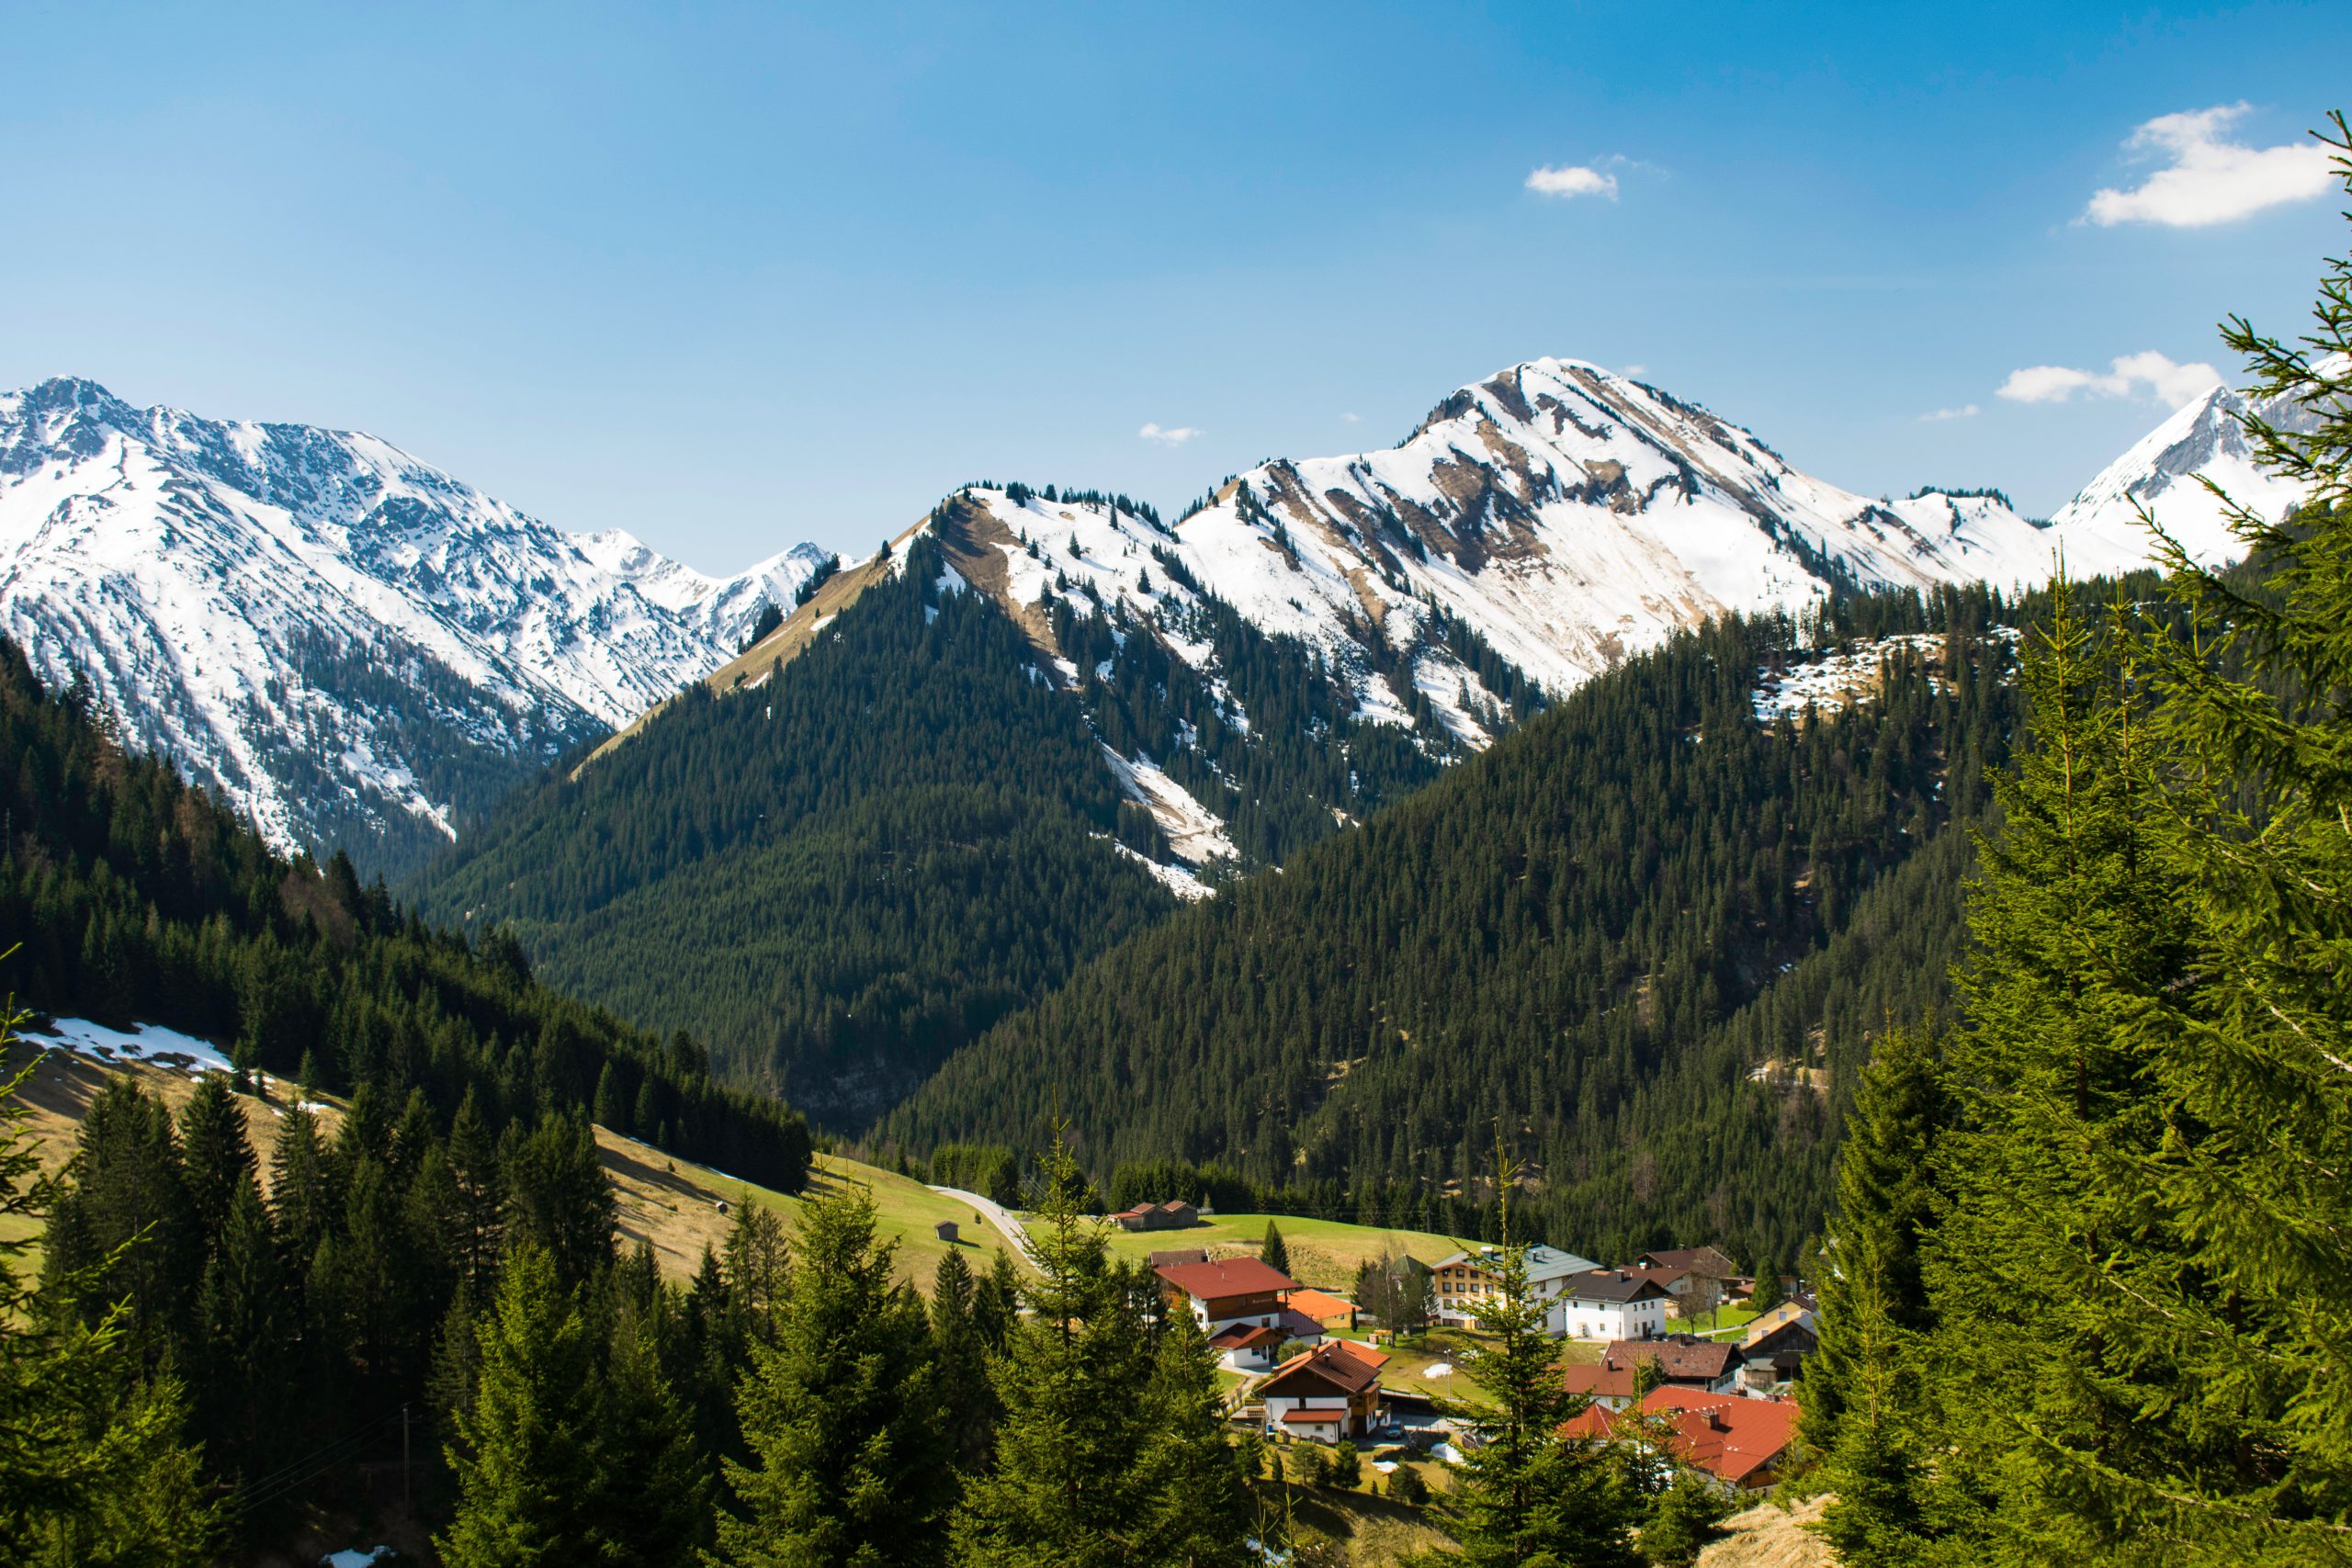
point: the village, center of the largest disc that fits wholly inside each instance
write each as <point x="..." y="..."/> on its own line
<point x="1680" y="1338"/>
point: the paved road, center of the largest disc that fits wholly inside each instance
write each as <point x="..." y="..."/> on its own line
<point x="997" y="1215"/>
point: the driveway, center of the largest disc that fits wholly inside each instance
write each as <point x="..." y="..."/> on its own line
<point x="997" y="1215"/>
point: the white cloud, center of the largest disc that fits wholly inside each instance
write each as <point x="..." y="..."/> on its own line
<point x="1633" y="371"/>
<point x="1967" y="411"/>
<point x="1572" y="179"/>
<point x="2210" y="180"/>
<point x="2149" y="374"/>
<point x="1174" y="436"/>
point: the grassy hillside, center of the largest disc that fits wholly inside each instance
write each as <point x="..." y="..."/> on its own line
<point x="1323" y="1253"/>
<point x="674" y="1204"/>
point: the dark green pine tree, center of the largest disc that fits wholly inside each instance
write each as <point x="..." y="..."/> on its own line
<point x="300" y="1201"/>
<point x="654" y="1505"/>
<point x="1686" y="1516"/>
<point x="1082" y="1477"/>
<point x="524" y="1451"/>
<point x="960" y="1354"/>
<point x="558" y="1198"/>
<point x="1193" y="1484"/>
<point x="1532" y="1497"/>
<point x="93" y="1466"/>
<point x="475" y="1221"/>
<point x="123" y="1227"/>
<point x="1863" y="1387"/>
<point x="246" y="1325"/>
<point x="851" y="1462"/>
<point x="1767" y="1293"/>
<point x="216" y="1156"/>
<point x="2055" y="1236"/>
<point x="1273" y="1250"/>
<point x="996" y="1302"/>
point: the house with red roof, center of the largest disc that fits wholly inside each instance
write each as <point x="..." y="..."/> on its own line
<point x="1326" y="1394"/>
<point x="1224" y="1292"/>
<point x="1173" y="1215"/>
<point x="1683" y="1360"/>
<point x="1741" y="1443"/>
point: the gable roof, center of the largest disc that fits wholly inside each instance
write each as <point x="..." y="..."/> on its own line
<point x="1340" y="1363"/>
<point x="1708" y="1260"/>
<point x="1613" y="1285"/>
<point x="1245" y="1336"/>
<point x="1319" y="1303"/>
<point x="1226" y="1277"/>
<point x="1180" y="1255"/>
<point x="1543" y="1262"/>
<point x="1778" y="1318"/>
<point x="1723" y="1434"/>
<point x="1681" y="1357"/>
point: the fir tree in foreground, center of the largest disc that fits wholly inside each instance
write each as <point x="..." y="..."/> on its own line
<point x="1529" y="1495"/>
<point x="851" y="1459"/>
<point x="1110" y="1453"/>
<point x="2131" y="1340"/>
<point x="94" y="1469"/>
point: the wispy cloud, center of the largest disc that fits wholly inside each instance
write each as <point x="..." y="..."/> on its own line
<point x="2148" y="373"/>
<point x="1572" y="180"/>
<point x="2210" y="180"/>
<point x="1174" y="435"/>
<point x="1353" y="418"/>
<point x="1966" y="410"/>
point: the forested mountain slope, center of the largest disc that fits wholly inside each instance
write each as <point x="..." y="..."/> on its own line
<point x="129" y="897"/>
<point x="838" y="877"/>
<point x="1646" y="938"/>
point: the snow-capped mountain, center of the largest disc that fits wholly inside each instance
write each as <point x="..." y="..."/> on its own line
<point x="2203" y="440"/>
<point x="1539" y="527"/>
<point x="346" y="642"/>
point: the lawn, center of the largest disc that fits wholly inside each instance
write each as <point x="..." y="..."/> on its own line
<point x="1729" y="1322"/>
<point x="1411" y="1358"/>
<point x="675" y="1203"/>
<point x="1323" y="1253"/>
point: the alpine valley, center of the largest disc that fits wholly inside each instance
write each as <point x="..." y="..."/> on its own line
<point x="960" y="770"/>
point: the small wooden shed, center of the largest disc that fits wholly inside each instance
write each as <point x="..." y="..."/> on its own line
<point x="945" y="1230"/>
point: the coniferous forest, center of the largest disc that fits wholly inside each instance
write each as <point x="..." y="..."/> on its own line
<point x="1586" y="939"/>
<point x="2083" y="1297"/>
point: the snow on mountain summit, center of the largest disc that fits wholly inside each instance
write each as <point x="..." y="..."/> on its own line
<point x="332" y="634"/>
<point x="2203" y="439"/>
<point x="1571" y="516"/>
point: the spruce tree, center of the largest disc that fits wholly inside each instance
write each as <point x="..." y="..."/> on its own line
<point x="94" y="1467"/>
<point x="851" y="1460"/>
<point x="300" y="1200"/>
<point x="960" y="1354"/>
<point x="1273" y="1251"/>
<point x="476" y="1220"/>
<point x="523" y="1452"/>
<point x="1861" y="1398"/>
<point x="653" y="1505"/>
<point x="215" y="1154"/>
<point x="246" y="1325"/>
<point x="1192" y="1482"/>
<point x="1086" y="1473"/>
<point x="1532" y="1497"/>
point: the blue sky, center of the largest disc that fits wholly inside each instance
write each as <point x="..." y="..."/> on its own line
<point x="732" y="278"/>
